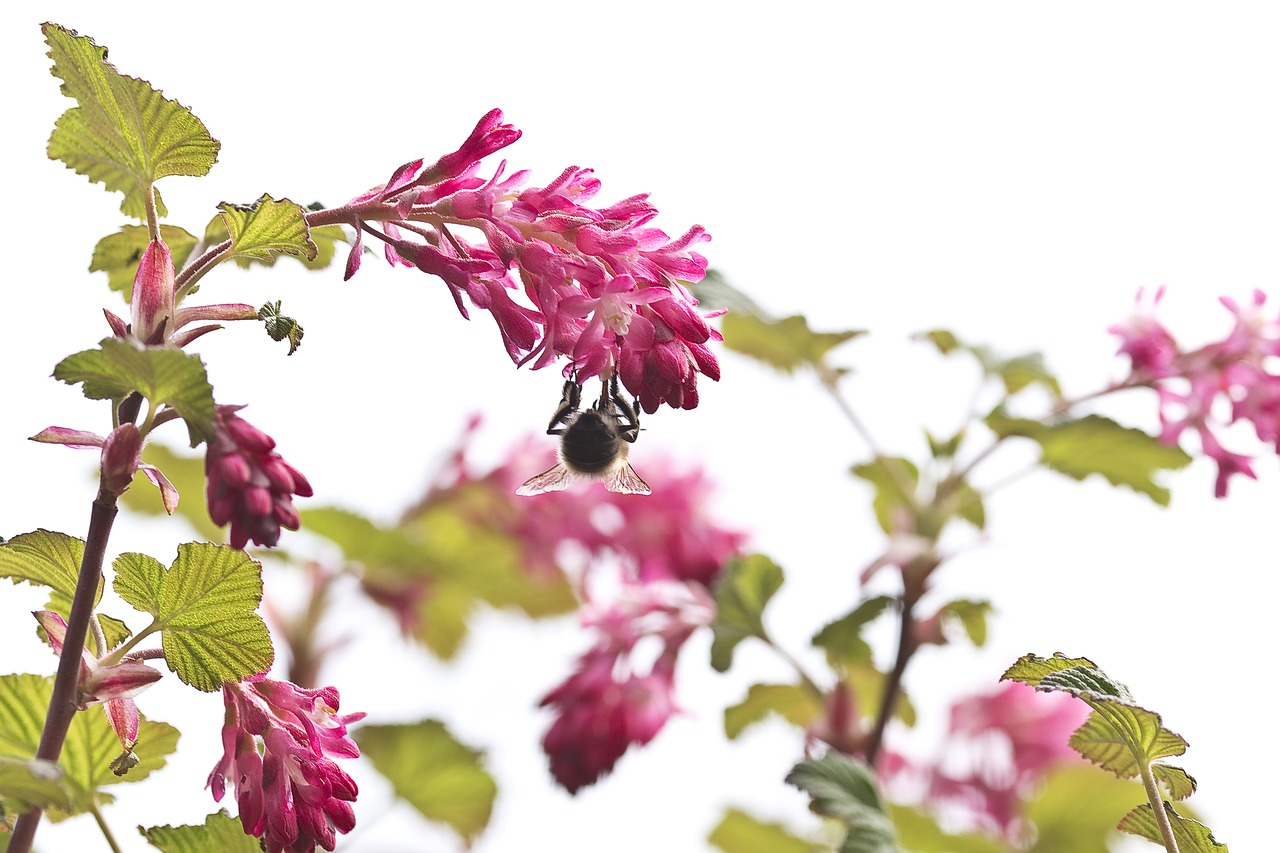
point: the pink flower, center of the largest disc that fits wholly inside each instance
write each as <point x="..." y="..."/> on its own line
<point x="1149" y="345"/>
<point x="279" y="741"/>
<point x="598" y="286"/>
<point x="113" y="685"/>
<point x="249" y="485"/>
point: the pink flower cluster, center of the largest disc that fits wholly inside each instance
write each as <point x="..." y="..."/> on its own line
<point x="279" y="741"/>
<point x="647" y="567"/>
<point x="998" y="748"/>
<point x="249" y="484"/>
<point x="600" y="287"/>
<point x="1214" y="386"/>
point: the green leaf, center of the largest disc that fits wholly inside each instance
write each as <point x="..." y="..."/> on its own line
<point x="972" y="616"/>
<point x="742" y="592"/>
<point x="920" y="833"/>
<point x="324" y="238"/>
<point x="114" y="630"/>
<point x="124" y="135"/>
<point x="279" y="326"/>
<point x="266" y="229"/>
<point x="1097" y="445"/>
<point x="867" y="685"/>
<point x="1076" y="809"/>
<point x="46" y="558"/>
<point x="27" y="783"/>
<point x="842" y="639"/>
<point x="204" y="605"/>
<point x="1029" y="668"/>
<point x="443" y="779"/>
<point x="118" y="254"/>
<point x="1191" y="836"/>
<point x="221" y="833"/>
<point x="91" y="743"/>
<point x="715" y="293"/>
<point x="784" y="344"/>
<point x="843" y="788"/>
<point x="164" y="376"/>
<point x="186" y="473"/>
<point x="1177" y="782"/>
<point x="793" y="702"/>
<point x="1016" y="373"/>
<point x="892" y="477"/>
<point x="739" y="832"/>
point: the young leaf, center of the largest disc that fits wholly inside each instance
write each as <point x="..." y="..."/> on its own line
<point x="265" y="229"/>
<point x="443" y="779"/>
<point x="891" y="476"/>
<point x="220" y="833"/>
<point x="843" y="788"/>
<point x="204" y="606"/>
<point x="47" y="558"/>
<point x="118" y="254"/>
<point x="793" y="702"/>
<point x="27" y="783"/>
<point x="164" y="376"/>
<point x="739" y="832"/>
<point x="972" y="616"/>
<point x="124" y="135"/>
<point x="920" y="833"/>
<point x="741" y="595"/>
<point x="1192" y="836"/>
<point x="842" y="639"/>
<point x="1014" y="373"/>
<point x="279" y="326"/>
<point x="784" y="344"/>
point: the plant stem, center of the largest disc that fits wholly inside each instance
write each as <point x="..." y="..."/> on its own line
<point x="893" y="683"/>
<point x="62" y="704"/>
<point x="106" y="830"/>
<point x="1157" y="807"/>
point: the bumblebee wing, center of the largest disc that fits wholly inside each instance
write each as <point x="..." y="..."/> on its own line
<point x="625" y="481"/>
<point x="554" y="479"/>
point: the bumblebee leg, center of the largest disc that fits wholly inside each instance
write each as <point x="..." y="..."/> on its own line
<point x="570" y="398"/>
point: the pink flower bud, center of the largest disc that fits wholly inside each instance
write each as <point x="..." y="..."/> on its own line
<point x="120" y="458"/>
<point x="152" y="303"/>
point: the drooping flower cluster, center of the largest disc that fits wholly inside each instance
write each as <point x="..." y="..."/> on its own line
<point x="249" y="484"/>
<point x="1209" y="388"/>
<point x="645" y="566"/>
<point x="599" y="286"/>
<point x="999" y="746"/>
<point x="279" y="741"/>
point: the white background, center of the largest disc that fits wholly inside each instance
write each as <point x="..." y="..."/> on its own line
<point x="1012" y="171"/>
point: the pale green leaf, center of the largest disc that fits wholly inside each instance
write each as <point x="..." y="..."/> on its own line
<point x="46" y="558"/>
<point x="739" y="832"/>
<point x="783" y="344"/>
<point x="27" y="783"/>
<point x="744" y="588"/>
<point x="124" y="134"/>
<point x="267" y="228"/>
<point x="842" y="638"/>
<point x="895" y="480"/>
<point x="1191" y="836"/>
<point x="220" y="833"/>
<point x="204" y="606"/>
<point x="1177" y="782"/>
<point x="164" y="376"/>
<point x="920" y="833"/>
<point x="442" y="778"/>
<point x="972" y="616"/>
<point x="793" y="702"/>
<point x="1030" y="668"/>
<point x="118" y="254"/>
<point x="843" y="788"/>
<point x="1015" y="373"/>
<point x="1076" y="809"/>
<point x="1118" y="736"/>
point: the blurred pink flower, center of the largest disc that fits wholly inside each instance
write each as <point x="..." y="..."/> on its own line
<point x="598" y="285"/>
<point x="279" y="741"/>
<point x="249" y="485"/>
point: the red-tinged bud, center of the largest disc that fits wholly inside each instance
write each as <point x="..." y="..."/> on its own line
<point x="120" y="457"/>
<point x="118" y="326"/>
<point x="152" y="303"/>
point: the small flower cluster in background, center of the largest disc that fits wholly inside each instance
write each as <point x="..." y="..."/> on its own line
<point x="1212" y="387"/>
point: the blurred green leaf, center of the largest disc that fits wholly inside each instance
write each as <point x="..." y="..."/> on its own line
<point x="739" y="832"/>
<point x="715" y="293"/>
<point x="1191" y="836"/>
<point x="842" y="638"/>
<point x="920" y="833"/>
<point x="220" y="833"/>
<point x="783" y="344"/>
<point x="124" y="134"/>
<point x="891" y="476"/>
<point x="793" y="702"/>
<point x="118" y="254"/>
<point x="972" y="616"/>
<point x="28" y="783"/>
<point x="164" y="376"/>
<point x="1076" y="808"/>
<point x="1015" y="373"/>
<point x="845" y="789"/>
<point x="205" y="607"/>
<point x="744" y="588"/>
<point x="186" y="473"/>
<point x="442" y="778"/>
<point x="867" y="685"/>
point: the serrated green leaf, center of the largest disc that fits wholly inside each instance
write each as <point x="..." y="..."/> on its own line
<point x="895" y="480"/>
<point x="91" y="743"/>
<point x="442" y="778"/>
<point x="842" y="638"/>
<point x="1191" y="836"/>
<point x="783" y="344"/>
<point x="124" y="135"/>
<point x="1177" y="782"/>
<point x="220" y="833"/>
<point x="46" y="558"/>
<point x="744" y="588"/>
<point x="843" y="788"/>
<point x="27" y="783"/>
<point x="1030" y="668"/>
<point x="1118" y="736"/>
<point x="204" y="606"/>
<point x="118" y="254"/>
<point x="793" y="702"/>
<point x="739" y="832"/>
<point x="186" y="473"/>
<point x="972" y="616"/>
<point x="266" y="229"/>
<point x="164" y="376"/>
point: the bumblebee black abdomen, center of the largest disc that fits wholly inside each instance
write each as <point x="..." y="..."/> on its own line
<point x="590" y="445"/>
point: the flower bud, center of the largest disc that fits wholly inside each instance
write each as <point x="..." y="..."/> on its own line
<point x="152" y="303"/>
